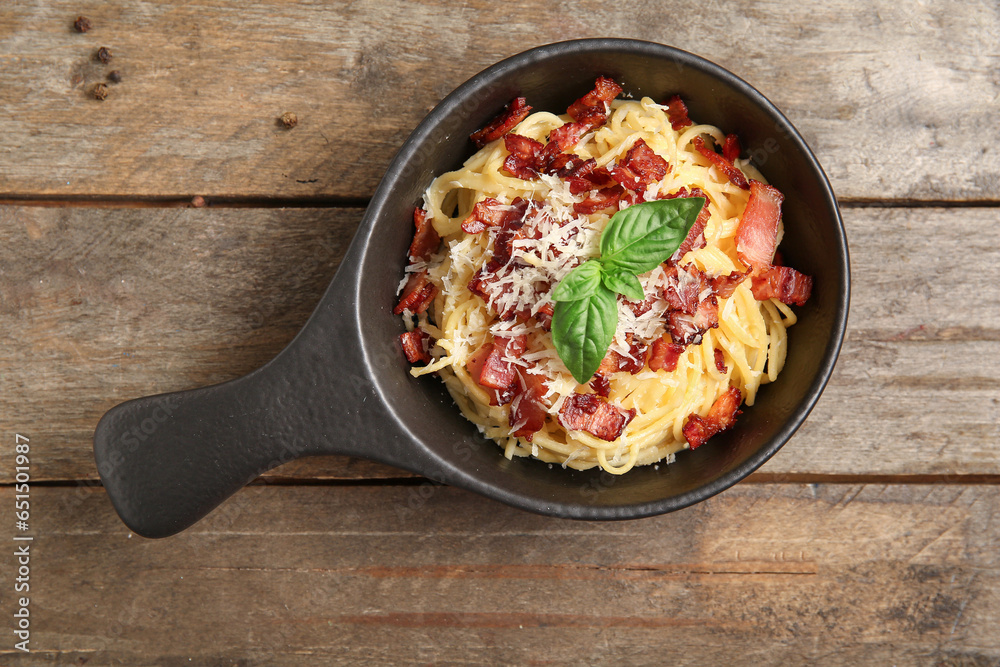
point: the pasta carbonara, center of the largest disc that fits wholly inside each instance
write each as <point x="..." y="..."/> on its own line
<point x="496" y="236"/>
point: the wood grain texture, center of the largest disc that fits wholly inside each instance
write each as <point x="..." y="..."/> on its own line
<point x="898" y="99"/>
<point x="763" y="575"/>
<point x="98" y="305"/>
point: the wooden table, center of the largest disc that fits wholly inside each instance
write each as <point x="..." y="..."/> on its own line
<point x="872" y="537"/>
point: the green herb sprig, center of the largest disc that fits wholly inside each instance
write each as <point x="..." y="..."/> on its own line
<point x="636" y="240"/>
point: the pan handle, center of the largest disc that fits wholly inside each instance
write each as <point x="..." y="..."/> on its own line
<point x="168" y="460"/>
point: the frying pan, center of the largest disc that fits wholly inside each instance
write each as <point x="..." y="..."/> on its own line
<point x="342" y="387"/>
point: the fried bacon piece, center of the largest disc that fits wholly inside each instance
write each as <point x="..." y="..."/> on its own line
<point x="640" y="167"/>
<point x="592" y="108"/>
<point x="497" y="372"/>
<point x="685" y="287"/>
<point x="491" y="212"/>
<point x="512" y="114"/>
<point x="633" y="197"/>
<point x="491" y="370"/>
<point x="587" y="170"/>
<point x="486" y="213"/>
<point x="475" y="366"/>
<point x="677" y="113"/>
<point x="721" y="416"/>
<point x="684" y="193"/>
<point x="731" y="149"/>
<point x="523" y="159"/>
<point x="544" y="316"/>
<point x="638" y="352"/>
<point x="688" y="329"/>
<point x="664" y="354"/>
<point x="695" y="238"/>
<point x="484" y="357"/>
<point x="425" y="237"/>
<point x="735" y="176"/>
<point x="600" y="200"/>
<point x="570" y="165"/>
<point x="586" y="176"/>
<point x="528" y="411"/>
<point x="417" y="294"/>
<point x="507" y="383"/>
<point x="720" y="361"/>
<point x="591" y="413"/>
<point x="416" y="345"/>
<point x="757" y="235"/>
<point x="615" y="362"/>
<point x="600" y="384"/>
<point x="551" y="159"/>
<point x="565" y="137"/>
<point x="564" y="163"/>
<point x="480" y="280"/>
<point x="782" y="283"/>
<point x="600" y="177"/>
<point x="724" y="286"/>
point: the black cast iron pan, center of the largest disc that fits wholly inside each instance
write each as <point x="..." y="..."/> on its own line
<point x="342" y="387"/>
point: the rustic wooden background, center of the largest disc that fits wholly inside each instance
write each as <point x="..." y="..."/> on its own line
<point x="873" y="537"/>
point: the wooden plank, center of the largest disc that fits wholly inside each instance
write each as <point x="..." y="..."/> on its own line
<point x="898" y="100"/>
<point x="100" y="305"/>
<point x="142" y="301"/>
<point x="763" y="574"/>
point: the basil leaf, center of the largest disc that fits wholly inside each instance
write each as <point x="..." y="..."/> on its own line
<point x="639" y="237"/>
<point x="579" y="283"/>
<point x="583" y="329"/>
<point x="625" y="283"/>
<point x="636" y="240"/>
